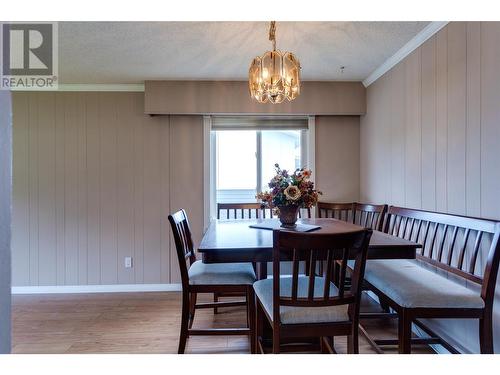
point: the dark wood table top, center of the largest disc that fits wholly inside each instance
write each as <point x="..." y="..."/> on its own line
<point x="234" y="241"/>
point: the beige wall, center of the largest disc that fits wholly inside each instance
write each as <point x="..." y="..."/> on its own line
<point x="232" y="97"/>
<point x="94" y="180"/>
<point x="337" y="158"/>
<point x="5" y="218"/>
<point x="431" y="135"/>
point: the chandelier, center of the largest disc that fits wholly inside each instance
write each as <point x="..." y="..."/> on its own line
<point x="275" y="75"/>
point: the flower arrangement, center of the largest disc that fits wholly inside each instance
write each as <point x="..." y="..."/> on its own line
<point x="290" y="191"/>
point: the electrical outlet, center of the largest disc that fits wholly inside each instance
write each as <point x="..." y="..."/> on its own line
<point x="128" y="262"/>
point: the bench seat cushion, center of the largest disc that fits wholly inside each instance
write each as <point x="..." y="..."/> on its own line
<point x="300" y="315"/>
<point x="221" y="273"/>
<point x="411" y="285"/>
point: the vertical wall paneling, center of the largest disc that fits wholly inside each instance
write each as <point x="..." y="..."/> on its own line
<point x="72" y="121"/>
<point x="108" y="184"/>
<point x="82" y="179"/>
<point x="413" y="146"/>
<point x="33" y="186"/>
<point x="46" y="191"/>
<point x="337" y="149"/>
<point x="428" y="121"/>
<point x="138" y="201"/>
<point x="152" y="201"/>
<point x="441" y="119"/>
<point x="473" y="123"/>
<point x="125" y="188"/>
<point x="165" y="199"/>
<point x="20" y="191"/>
<point x="59" y="163"/>
<point x="457" y="104"/>
<point x="397" y="145"/>
<point x="91" y="187"/>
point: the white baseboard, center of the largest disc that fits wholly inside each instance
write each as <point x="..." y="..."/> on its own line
<point x="119" y="288"/>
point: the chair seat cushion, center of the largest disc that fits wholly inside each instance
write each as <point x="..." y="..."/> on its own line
<point x="300" y="315"/>
<point x="221" y="273"/>
<point x="410" y="284"/>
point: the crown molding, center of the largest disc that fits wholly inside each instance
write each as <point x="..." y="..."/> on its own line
<point x="116" y="87"/>
<point x="118" y="288"/>
<point x="419" y="39"/>
<point x="138" y="87"/>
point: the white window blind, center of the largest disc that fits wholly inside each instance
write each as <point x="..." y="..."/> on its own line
<point x="258" y="123"/>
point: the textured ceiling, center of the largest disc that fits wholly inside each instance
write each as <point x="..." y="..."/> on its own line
<point x="131" y="52"/>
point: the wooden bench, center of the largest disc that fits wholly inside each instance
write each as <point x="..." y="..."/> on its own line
<point x="440" y="282"/>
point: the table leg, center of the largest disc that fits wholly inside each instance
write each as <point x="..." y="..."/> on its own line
<point x="262" y="274"/>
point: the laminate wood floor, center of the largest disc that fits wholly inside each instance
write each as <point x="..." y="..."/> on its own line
<point x="136" y="323"/>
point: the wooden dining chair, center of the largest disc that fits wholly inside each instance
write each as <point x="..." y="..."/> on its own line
<point x="238" y="211"/>
<point x="369" y="215"/>
<point x="303" y="307"/>
<point x="340" y="211"/>
<point x="198" y="277"/>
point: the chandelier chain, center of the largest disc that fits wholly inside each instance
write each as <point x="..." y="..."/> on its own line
<point x="272" y="34"/>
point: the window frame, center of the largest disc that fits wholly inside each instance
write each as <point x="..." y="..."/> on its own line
<point x="307" y="142"/>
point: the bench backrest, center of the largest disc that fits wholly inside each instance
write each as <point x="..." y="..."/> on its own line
<point x="451" y="242"/>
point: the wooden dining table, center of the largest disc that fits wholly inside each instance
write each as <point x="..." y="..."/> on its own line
<point x="233" y="241"/>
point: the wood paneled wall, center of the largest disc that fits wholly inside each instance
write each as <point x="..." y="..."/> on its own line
<point x="5" y="219"/>
<point x="95" y="178"/>
<point x="337" y="158"/>
<point x="430" y="137"/>
<point x="94" y="181"/>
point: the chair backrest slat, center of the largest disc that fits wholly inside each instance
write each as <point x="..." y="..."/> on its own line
<point x="441" y="243"/>
<point x="475" y="251"/>
<point x="448" y="242"/>
<point x="461" y="257"/>
<point x="328" y="275"/>
<point x="452" y="246"/>
<point x="343" y="268"/>
<point x="295" y="275"/>
<point x="312" y="275"/>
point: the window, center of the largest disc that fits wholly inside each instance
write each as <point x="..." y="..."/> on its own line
<point x="236" y="168"/>
<point x="282" y="147"/>
<point x="245" y="161"/>
<point x="240" y="153"/>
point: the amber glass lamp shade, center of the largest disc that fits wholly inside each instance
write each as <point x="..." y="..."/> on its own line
<point x="274" y="77"/>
